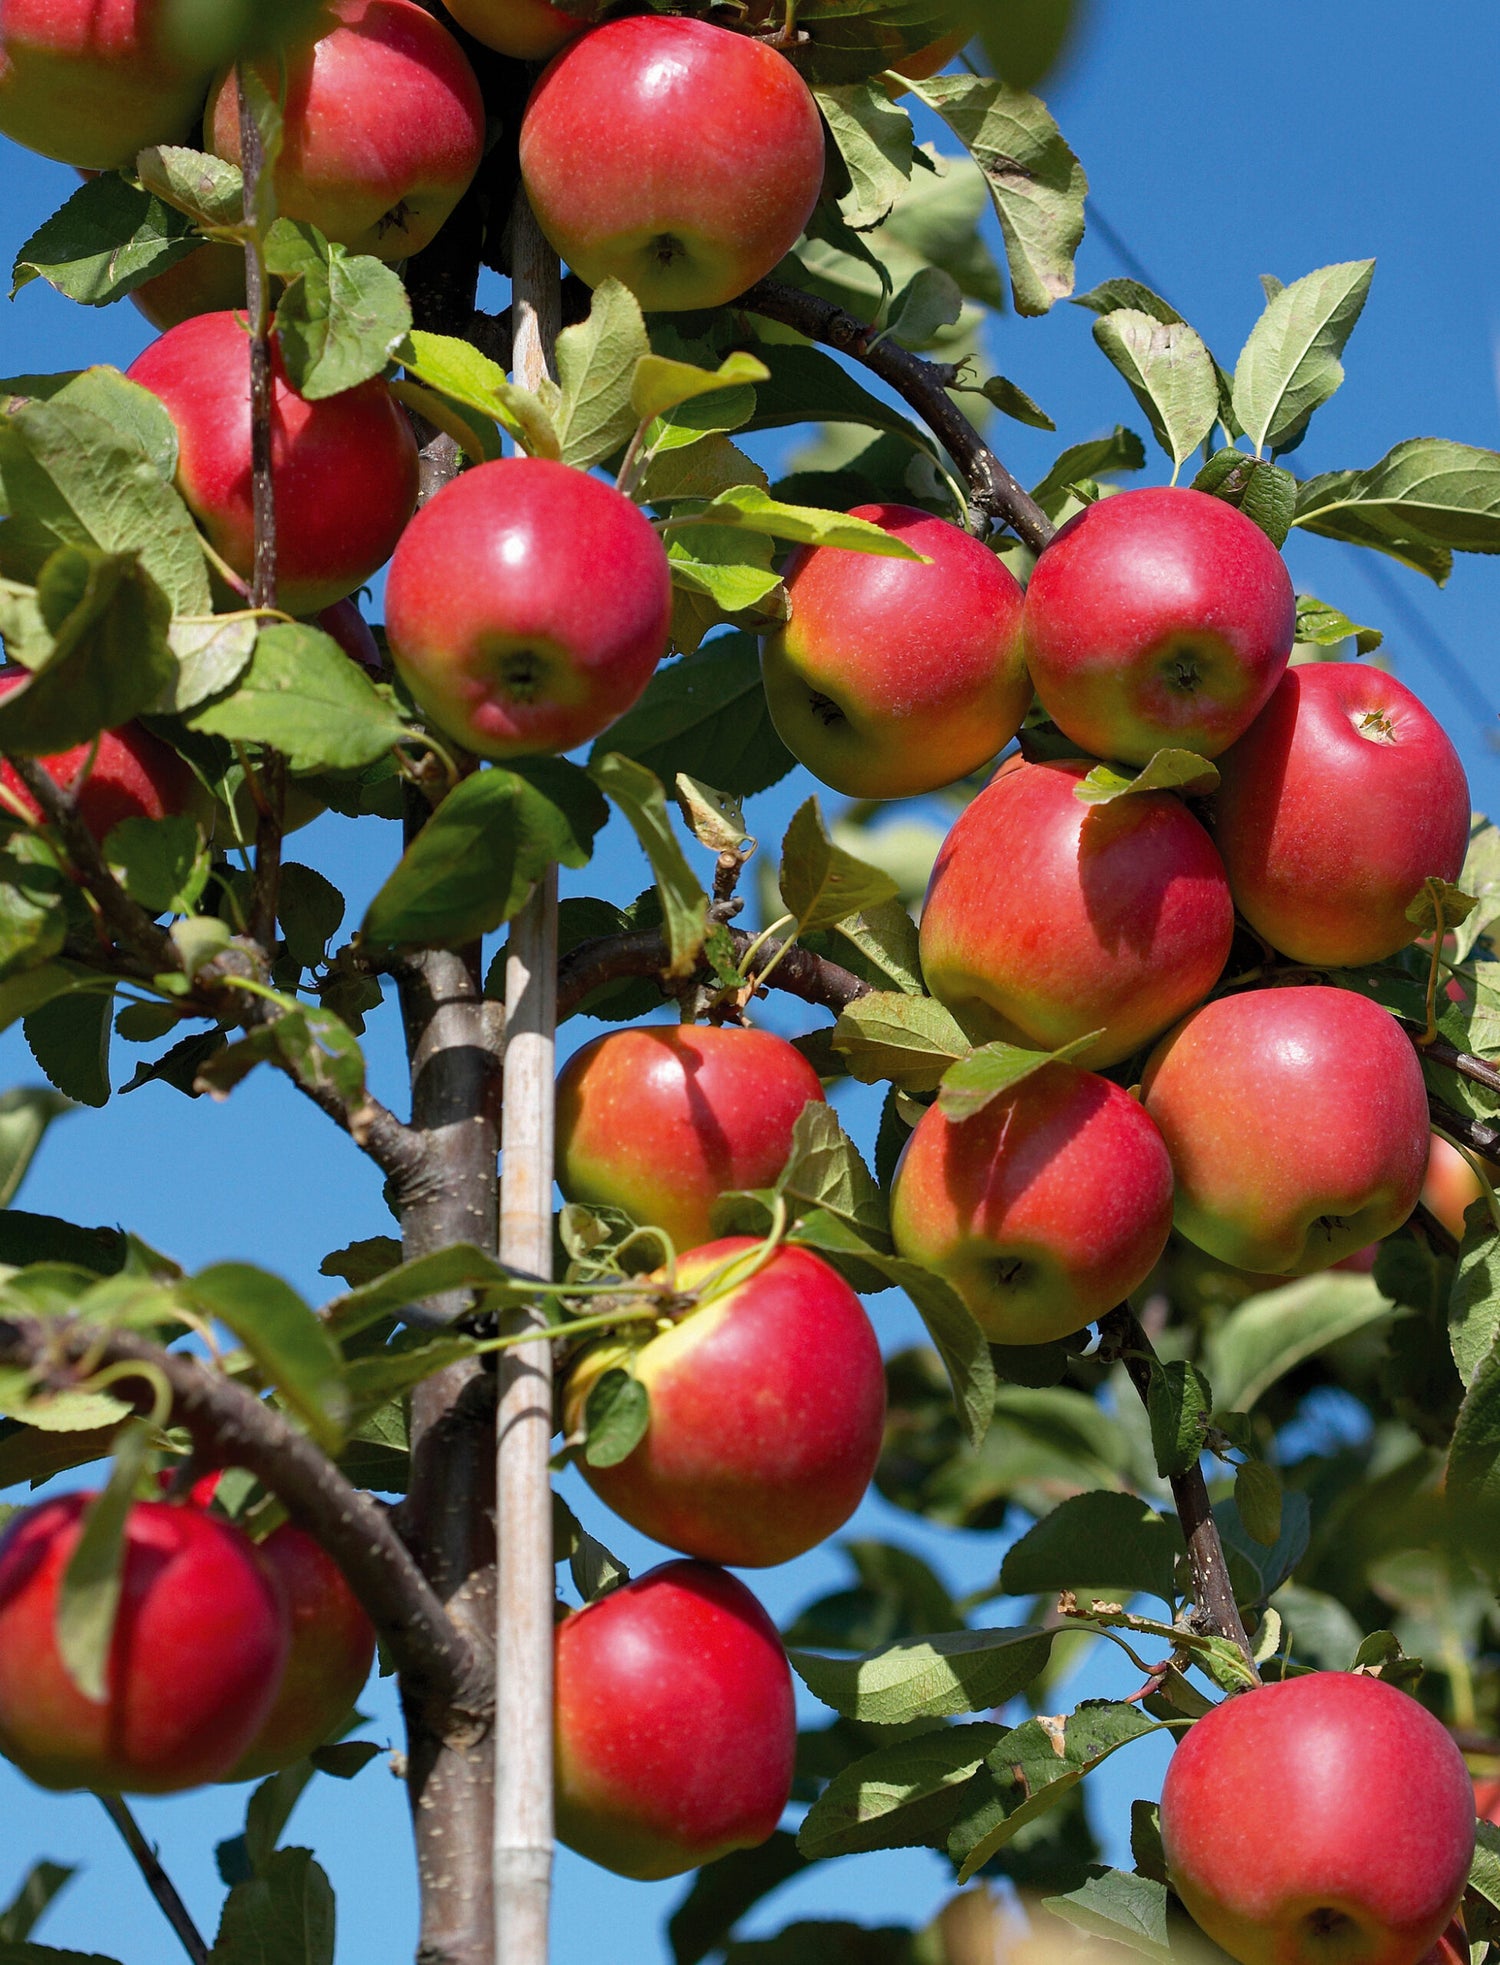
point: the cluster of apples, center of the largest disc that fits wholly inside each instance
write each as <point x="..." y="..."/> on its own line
<point x="229" y="1659"/>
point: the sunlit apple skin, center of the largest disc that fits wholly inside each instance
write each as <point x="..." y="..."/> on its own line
<point x="767" y="1412"/>
<point x="200" y="1642"/>
<point x="1240" y="1091"/>
<point x="1044" y="1210"/>
<point x="1155" y="620"/>
<point x="528" y="606"/>
<point x="1450" y="1185"/>
<point x="663" y="1119"/>
<point x="675" y="1730"/>
<point x="1333" y="808"/>
<point x="344" y="469"/>
<point x="384" y="126"/>
<point x="1046" y="918"/>
<point x="91" y="82"/>
<point x="133" y="776"/>
<point x="527" y="30"/>
<point x="332" y="1650"/>
<point x="1360" y="1851"/>
<point x="705" y="158"/>
<point x="893" y="677"/>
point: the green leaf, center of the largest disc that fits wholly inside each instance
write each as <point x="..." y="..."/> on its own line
<point x="885" y="1800"/>
<point x="807" y="386"/>
<point x="69" y="1038"/>
<point x="659" y="386"/>
<point x="879" y="944"/>
<point x="1170" y="373"/>
<point x="1037" y="184"/>
<point x="1101" y="1540"/>
<point x="1325" y="627"/>
<point x="821" y="883"/>
<point x="1121" y="450"/>
<point x="734" y="569"/>
<point x="458" y="371"/>
<point x="283" y="1915"/>
<point x="207" y="189"/>
<point x="39" y="1887"/>
<point x="23" y="1953"/>
<point x="930" y="301"/>
<point x="1474" y="1305"/>
<point x="109" y="237"/>
<point x="722" y="1892"/>
<point x="342" y="317"/>
<point x="460" y="1266"/>
<point x="89" y="1594"/>
<point x="1263" y="491"/>
<point x="1267" y="1566"/>
<point x="1127" y="1910"/>
<point x="1169" y="770"/>
<point x="1257" y="1495"/>
<point x="287" y="1342"/>
<point x="305" y="698"/>
<point x="1026" y="38"/>
<point x="981" y="1077"/>
<point x="755" y="510"/>
<point x="1012" y="401"/>
<point x="310" y="910"/>
<point x="475" y="861"/>
<point x="875" y="140"/>
<point x="1271" y="1334"/>
<point x="702" y="468"/>
<point x="911" y="1040"/>
<point x="954" y="1672"/>
<point x="615" y="1418"/>
<point x="212" y="654"/>
<point x="26" y="1111"/>
<point x="161" y="863"/>
<point x="596" y="365"/>
<point x="824" y="1170"/>
<point x="1290" y="364"/>
<point x="1439" y="904"/>
<point x="639" y="795"/>
<point x="1425" y="500"/>
<point x="1178" y="1406"/>
<point x="33" y="904"/>
<point x="1473" y="1486"/>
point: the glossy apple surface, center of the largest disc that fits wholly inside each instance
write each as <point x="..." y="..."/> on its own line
<point x="133" y="776"/>
<point x="1155" y="620"/>
<point x="1360" y="1847"/>
<point x="384" y="126"/>
<point x="662" y="1120"/>
<point x="91" y="82"/>
<point x="527" y="30"/>
<point x="199" y="1646"/>
<point x="1043" y="1210"/>
<point x="675" y="1728"/>
<point x="1240" y="1091"/>
<point x="1046" y="918"/>
<point x="893" y="677"/>
<point x="344" y="468"/>
<point x="332" y="1650"/>
<point x="705" y="158"/>
<point x="1333" y="808"/>
<point x="528" y="606"/>
<point x="767" y="1411"/>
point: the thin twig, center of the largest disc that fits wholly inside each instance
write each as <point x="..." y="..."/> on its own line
<point x="1450" y="1057"/>
<point x="612" y="958"/>
<point x="173" y="1909"/>
<point x="1479" y="1135"/>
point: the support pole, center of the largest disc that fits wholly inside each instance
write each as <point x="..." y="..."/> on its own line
<point x="523" y="1728"/>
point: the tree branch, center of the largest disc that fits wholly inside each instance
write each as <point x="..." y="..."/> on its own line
<point x="924" y="385"/>
<point x="1450" y="1057"/>
<point x="161" y="1886"/>
<point x="612" y="958"/>
<point x="1479" y="1135"/>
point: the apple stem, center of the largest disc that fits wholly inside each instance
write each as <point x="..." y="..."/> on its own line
<point x="158" y="1882"/>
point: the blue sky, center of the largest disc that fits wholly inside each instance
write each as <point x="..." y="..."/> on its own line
<point x="1221" y="143"/>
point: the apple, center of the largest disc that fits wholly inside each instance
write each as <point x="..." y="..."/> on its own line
<point x="344" y="468"/>
<point x="893" y="678"/>
<point x="1487" y="1799"/>
<point x="133" y="776"/>
<point x="767" y="1410"/>
<point x="91" y="82"/>
<point x="384" y="125"/>
<point x="1046" y="918"/>
<point x="1044" y="1210"/>
<point x="1450" y="1185"/>
<point x="1333" y="808"/>
<point x="662" y="1119"/>
<point x="209" y="281"/>
<point x="675" y="1728"/>
<point x="1158" y="619"/>
<point x="527" y="606"/>
<point x="200" y="1641"/>
<point x="1265" y="1180"/>
<point x="526" y="30"/>
<point x="349" y="628"/>
<point x="704" y="154"/>
<point x="332" y="1650"/>
<point x="1323" y="1818"/>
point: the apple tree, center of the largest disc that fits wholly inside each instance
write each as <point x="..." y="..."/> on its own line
<point x="1202" y="858"/>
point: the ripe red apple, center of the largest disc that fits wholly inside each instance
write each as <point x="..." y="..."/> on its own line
<point x="1323" y="1820"/>
<point x="91" y="82"/>
<point x="199" y="1645"/>
<point x="1450" y="1185"/>
<point x="1158" y="619"/>
<point x="1487" y="1799"/>
<point x="1241" y="1091"/>
<point x="349" y="628"/>
<point x="893" y="677"/>
<point x="209" y="281"/>
<point x="526" y="30"/>
<point x="767" y="1411"/>
<point x="133" y="776"/>
<point x="1044" y="1210"/>
<point x="704" y="157"/>
<point x="345" y="468"/>
<point x="1334" y="807"/>
<point x="527" y="606"/>
<point x="675" y="1729"/>
<point x="662" y="1119"/>
<point x="1047" y="918"/>
<point x="384" y="125"/>
<point x="332" y="1649"/>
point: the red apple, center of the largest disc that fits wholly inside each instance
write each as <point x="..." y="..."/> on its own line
<point x="528" y="605"/>
<point x="332" y="1649"/>
<point x="1047" y="918"/>
<point x="675" y="1729"/>
<point x="209" y="281"/>
<point x="1487" y="1799"/>
<point x="526" y="30"/>
<point x="198" y="1650"/>
<point x="1334" y="807"/>
<point x="767" y="1411"/>
<point x="1324" y="1820"/>
<point x="1241" y="1090"/>
<point x="893" y="677"/>
<point x="133" y="776"/>
<point x="384" y="125"/>
<point x="704" y="155"/>
<point x="349" y="628"/>
<point x="1450" y="1185"/>
<point x="1044" y="1210"/>
<point x="91" y="82"/>
<point x="344" y="468"/>
<point x="1155" y="620"/>
<point x="663" y="1119"/>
